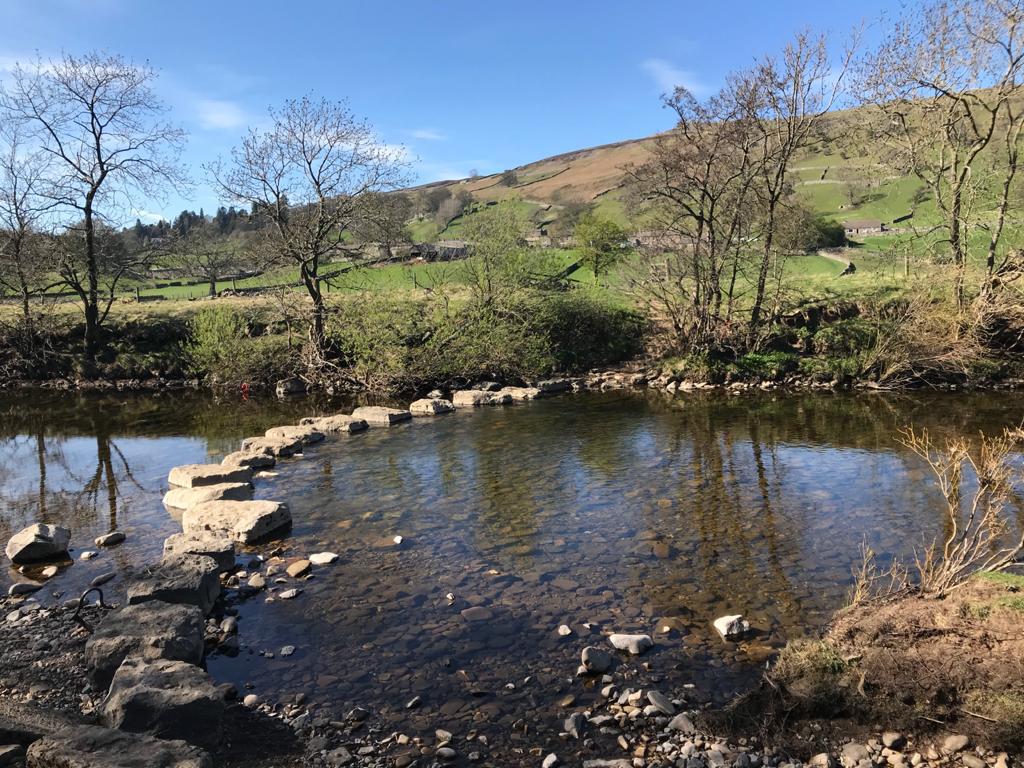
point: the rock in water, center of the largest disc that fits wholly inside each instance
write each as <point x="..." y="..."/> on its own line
<point x="340" y="422"/>
<point x="109" y="539"/>
<point x="732" y="627"/>
<point x="92" y="746"/>
<point x="186" y="498"/>
<point x="323" y="558"/>
<point x="378" y="415"/>
<point x="220" y="548"/>
<point x="298" y="568"/>
<point x="195" y="475"/>
<point x="305" y="434"/>
<point x="431" y="407"/>
<point x="38" y="542"/>
<point x="595" y="660"/>
<point x="166" y="699"/>
<point x="242" y="521"/>
<point x="575" y="725"/>
<point x="152" y="630"/>
<point x="635" y="644"/>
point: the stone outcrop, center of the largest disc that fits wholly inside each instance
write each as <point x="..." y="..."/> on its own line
<point x="380" y="416"/>
<point x="92" y="746"/>
<point x="195" y="475"/>
<point x="152" y="630"/>
<point x="184" y="579"/>
<point x="166" y="699"/>
<point x="305" y="434"/>
<point x="186" y="498"/>
<point x="472" y="398"/>
<point x="38" y="542"/>
<point x="338" y="423"/>
<point x="241" y="521"/>
<point x="218" y="546"/>
<point x="431" y="406"/>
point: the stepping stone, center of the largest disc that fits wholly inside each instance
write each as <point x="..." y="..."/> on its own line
<point x="186" y="498"/>
<point x="249" y="459"/>
<point x="379" y="415"/>
<point x="242" y="521"/>
<point x="472" y="398"/>
<point x="218" y="546"/>
<point x="195" y="475"/>
<point x="520" y="393"/>
<point x="340" y="422"/>
<point x="431" y="406"/>
<point x="38" y="542"/>
<point x="184" y="579"/>
<point x="271" y="446"/>
<point x="304" y="434"/>
<point x="152" y="630"/>
<point x="167" y="699"/>
<point x="92" y="746"/>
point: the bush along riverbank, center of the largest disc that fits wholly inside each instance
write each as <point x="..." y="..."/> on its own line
<point x="916" y="672"/>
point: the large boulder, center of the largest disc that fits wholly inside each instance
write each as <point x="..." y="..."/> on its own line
<point x="195" y="475"/>
<point x="303" y="433"/>
<point x="152" y="630"/>
<point x="242" y="521"/>
<point x="92" y="746"/>
<point x="339" y="422"/>
<point x="271" y="446"/>
<point x="379" y="415"/>
<point x="185" y="498"/>
<point x="184" y="579"/>
<point x="431" y="406"/>
<point x="38" y="542"/>
<point x="167" y="699"/>
<point x="215" y="545"/>
<point x="472" y="398"/>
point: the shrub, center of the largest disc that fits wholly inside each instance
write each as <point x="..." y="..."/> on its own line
<point x="221" y="347"/>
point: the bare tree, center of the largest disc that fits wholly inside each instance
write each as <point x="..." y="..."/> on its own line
<point x="307" y="178"/>
<point x="201" y="252"/>
<point x="945" y="84"/>
<point x="25" y="270"/>
<point x="98" y="120"/>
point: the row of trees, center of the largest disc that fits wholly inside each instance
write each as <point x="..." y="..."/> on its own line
<point x="85" y="138"/>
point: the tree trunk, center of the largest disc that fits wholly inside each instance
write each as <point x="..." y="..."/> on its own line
<point x="762" y="275"/>
<point x="92" y="310"/>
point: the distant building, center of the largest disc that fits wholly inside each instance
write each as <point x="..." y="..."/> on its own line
<point x="863" y="227"/>
<point x="442" y="250"/>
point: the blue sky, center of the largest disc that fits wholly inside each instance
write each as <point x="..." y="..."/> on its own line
<point x="460" y="84"/>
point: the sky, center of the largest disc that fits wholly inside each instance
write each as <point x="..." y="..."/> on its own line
<point x="461" y="85"/>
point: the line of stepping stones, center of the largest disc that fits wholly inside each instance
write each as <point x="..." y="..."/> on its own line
<point x="161" y="706"/>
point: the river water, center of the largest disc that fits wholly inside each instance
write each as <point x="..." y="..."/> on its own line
<point x="606" y="512"/>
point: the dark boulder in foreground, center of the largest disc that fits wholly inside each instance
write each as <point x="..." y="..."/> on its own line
<point x="91" y="746"/>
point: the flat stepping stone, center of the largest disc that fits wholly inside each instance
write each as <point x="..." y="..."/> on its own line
<point x="272" y="446"/>
<point x="338" y="423"/>
<point x="92" y="746"/>
<point x="379" y="415"/>
<point x="473" y="398"/>
<point x="241" y="521"/>
<point x="183" y="579"/>
<point x="520" y="393"/>
<point x="304" y="434"/>
<point x="195" y="475"/>
<point x="186" y="498"/>
<point x="165" y="698"/>
<point x="218" y="546"/>
<point x="431" y="406"/>
<point x="251" y="459"/>
<point x="152" y="630"/>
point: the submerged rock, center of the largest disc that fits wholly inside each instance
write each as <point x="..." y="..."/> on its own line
<point x="195" y="475"/>
<point x="38" y="542"/>
<point x="150" y="630"/>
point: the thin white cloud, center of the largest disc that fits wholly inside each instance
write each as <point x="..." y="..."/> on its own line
<point x="427" y="134"/>
<point x="667" y="76"/>
<point x="149" y="217"/>
<point x="217" y="114"/>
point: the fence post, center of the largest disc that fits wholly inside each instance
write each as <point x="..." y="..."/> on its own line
<point x="138" y="295"/>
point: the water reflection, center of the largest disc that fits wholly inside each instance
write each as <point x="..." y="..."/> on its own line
<point x="628" y="512"/>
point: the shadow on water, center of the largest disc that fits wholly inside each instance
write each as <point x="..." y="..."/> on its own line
<point x="610" y="512"/>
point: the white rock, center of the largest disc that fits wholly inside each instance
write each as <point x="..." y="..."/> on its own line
<point x="731" y="627"/>
<point x="635" y="644"/>
<point x="323" y="558"/>
<point x="38" y="542"/>
<point x="432" y="406"/>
